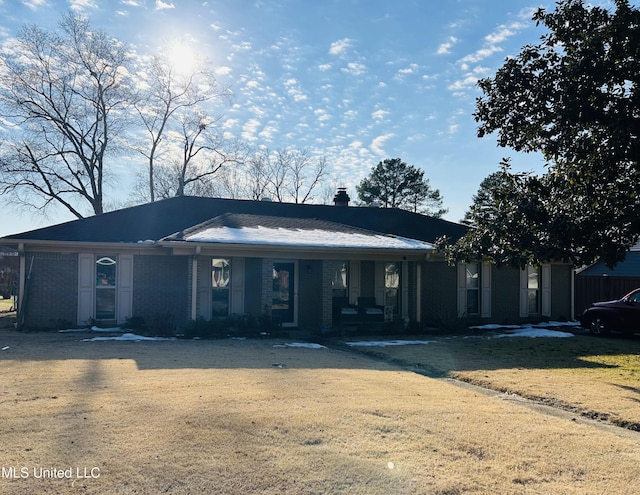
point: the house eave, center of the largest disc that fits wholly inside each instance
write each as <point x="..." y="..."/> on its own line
<point x="291" y="251"/>
<point x="57" y="245"/>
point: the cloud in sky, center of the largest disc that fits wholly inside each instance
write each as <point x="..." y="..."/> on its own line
<point x="34" y="4"/>
<point x="492" y="42"/>
<point x="81" y="5"/>
<point x="445" y="48"/>
<point x="411" y="69"/>
<point x="379" y="114"/>
<point x="377" y="145"/>
<point x="250" y="129"/>
<point x="339" y="47"/>
<point x="354" y="68"/>
<point x="160" y="5"/>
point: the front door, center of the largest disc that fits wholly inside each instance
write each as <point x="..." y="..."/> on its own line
<point x="283" y="304"/>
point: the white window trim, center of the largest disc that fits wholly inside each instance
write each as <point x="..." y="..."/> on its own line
<point x="87" y="287"/>
<point x="545" y="292"/>
<point x="484" y="291"/>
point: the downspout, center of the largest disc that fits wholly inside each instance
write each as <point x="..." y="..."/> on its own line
<point x="21" y="279"/>
<point x="418" y="292"/>
<point x="573" y="294"/>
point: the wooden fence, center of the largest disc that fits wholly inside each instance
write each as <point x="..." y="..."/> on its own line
<point x="601" y="288"/>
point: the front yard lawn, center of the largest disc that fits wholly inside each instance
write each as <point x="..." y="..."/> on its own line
<point x="261" y="416"/>
<point x="595" y="377"/>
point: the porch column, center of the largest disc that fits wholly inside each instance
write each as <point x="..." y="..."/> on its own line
<point x="327" y="296"/>
<point x="194" y="284"/>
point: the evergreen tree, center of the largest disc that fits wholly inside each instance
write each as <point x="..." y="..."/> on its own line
<point x="394" y="184"/>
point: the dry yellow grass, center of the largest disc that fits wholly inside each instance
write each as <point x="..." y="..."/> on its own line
<point x="6" y="305"/>
<point x="238" y="417"/>
<point x="596" y="377"/>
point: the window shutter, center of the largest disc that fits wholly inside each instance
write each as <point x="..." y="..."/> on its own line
<point x="124" y="289"/>
<point x="86" y="287"/>
<point x="237" y="286"/>
<point x="354" y="281"/>
<point x="404" y="287"/>
<point x="379" y="283"/>
<point x="524" y="309"/>
<point x="203" y="286"/>
<point x="462" y="290"/>
<point x="485" y="295"/>
<point x="546" y="290"/>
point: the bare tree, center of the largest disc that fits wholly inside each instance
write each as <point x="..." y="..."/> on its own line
<point x="305" y="176"/>
<point x="288" y="174"/>
<point x="168" y="94"/>
<point x="203" y="153"/>
<point x="60" y="94"/>
<point x="283" y="175"/>
<point x="256" y="176"/>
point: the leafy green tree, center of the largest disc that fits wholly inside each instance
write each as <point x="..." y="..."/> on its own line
<point x="394" y="184"/>
<point x="575" y="98"/>
<point x="483" y="199"/>
<point x="510" y="222"/>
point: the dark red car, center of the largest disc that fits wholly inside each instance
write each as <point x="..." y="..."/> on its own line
<point x="622" y="315"/>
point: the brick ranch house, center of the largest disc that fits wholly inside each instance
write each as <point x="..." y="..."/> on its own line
<point x="308" y="266"/>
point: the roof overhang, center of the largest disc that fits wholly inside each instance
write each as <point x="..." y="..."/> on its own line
<point x="289" y="251"/>
<point x="44" y="245"/>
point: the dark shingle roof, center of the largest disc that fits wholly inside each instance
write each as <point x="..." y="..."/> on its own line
<point x="155" y="221"/>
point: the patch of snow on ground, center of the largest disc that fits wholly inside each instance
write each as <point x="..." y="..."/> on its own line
<point x="533" y="332"/>
<point x="385" y="343"/>
<point x="307" y="345"/>
<point x="112" y="329"/>
<point x="130" y="337"/>
<point x="494" y="326"/>
<point x="92" y="329"/>
<point x="554" y="324"/>
<point x="548" y="324"/>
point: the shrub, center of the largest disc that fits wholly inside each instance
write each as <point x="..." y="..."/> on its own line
<point x="159" y="325"/>
<point x="231" y="326"/>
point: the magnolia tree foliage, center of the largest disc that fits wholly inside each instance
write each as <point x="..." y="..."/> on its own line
<point x="575" y="98"/>
<point x="394" y="184"/>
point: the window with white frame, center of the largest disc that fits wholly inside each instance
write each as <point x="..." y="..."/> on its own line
<point x="106" y="287"/>
<point x="535" y="291"/>
<point x="474" y="290"/>
<point x="339" y="278"/>
<point x="220" y="285"/>
<point x="392" y="286"/>
<point x="472" y="284"/>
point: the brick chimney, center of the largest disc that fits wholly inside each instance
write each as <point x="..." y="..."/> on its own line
<point x="341" y="198"/>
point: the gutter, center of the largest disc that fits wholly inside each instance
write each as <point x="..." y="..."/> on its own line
<point x="301" y="251"/>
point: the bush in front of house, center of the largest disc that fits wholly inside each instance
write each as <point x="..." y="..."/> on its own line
<point x="232" y="326"/>
<point x="158" y="325"/>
